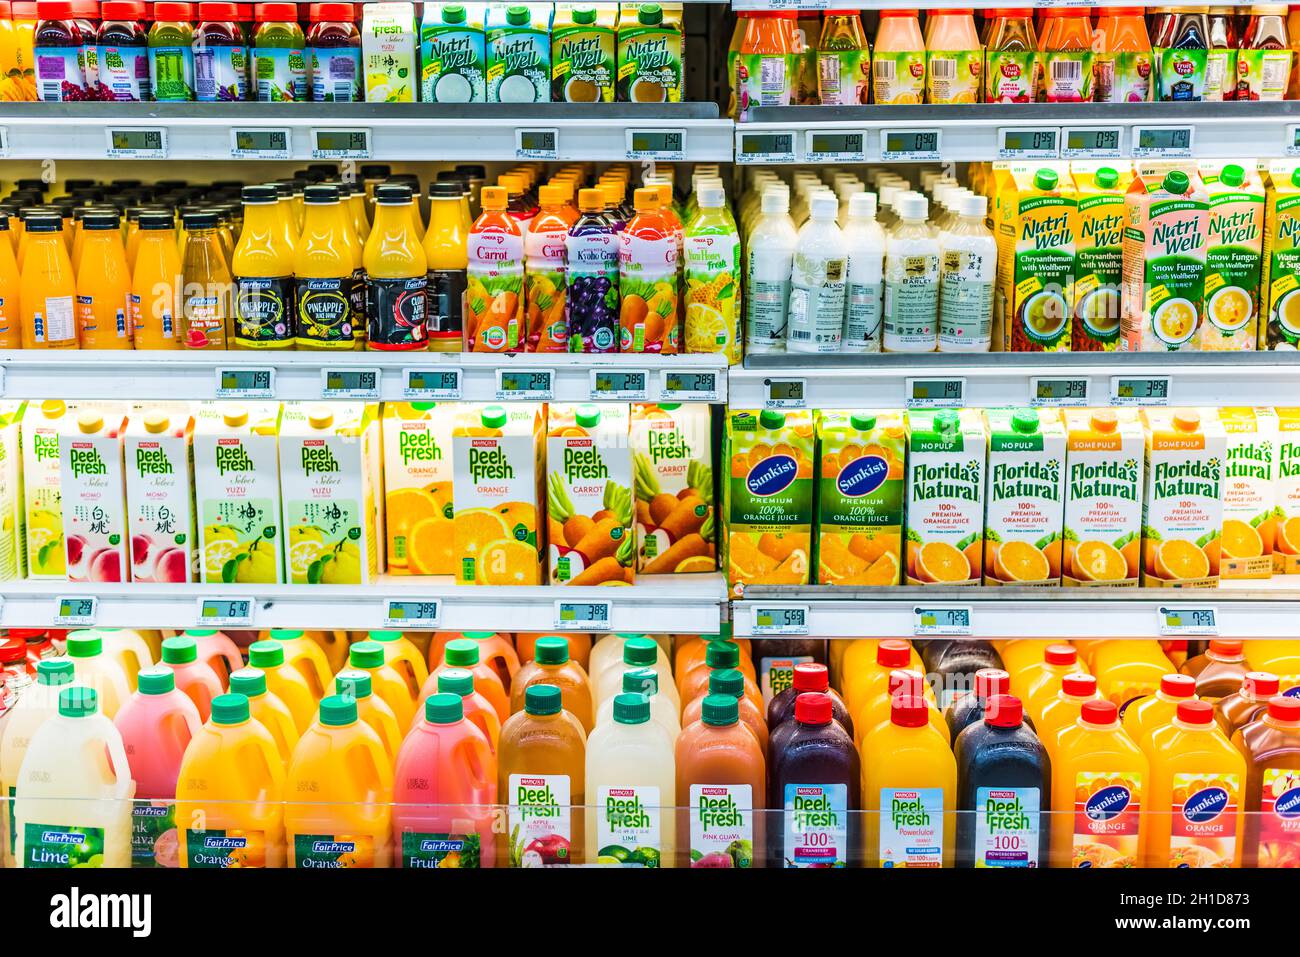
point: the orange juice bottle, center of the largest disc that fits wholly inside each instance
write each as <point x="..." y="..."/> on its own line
<point x="493" y="649"/>
<point x="1022" y="654"/>
<point x="156" y="284"/>
<point x="267" y="708"/>
<point x="464" y="653"/>
<point x="371" y="709"/>
<point x="552" y="666"/>
<point x="445" y="247"/>
<point x="476" y="708"/>
<point x="205" y="302"/>
<point x="397" y="276"/>
<point x="866" y="678"/>
<point x="1145" y="716"/>
<point x="324" y="266"/>
<point x="307" y="656"/>
<point x="1064" y="710"/>
<point x="579" y="648"/>
<point x="1272" y="749"/>
<point x="878" y="711"/>
<point x="341" y="764"/>
<point x="647" y="277"/>
<point x="387" y="681"/>
<point x="284" y="681"/>
<point x="1129" y="668"/>
<point x="1041" y="685"/>
<point x="10" y="314"/>
<point x="400" y="652"/>
<point x="46" y="286"/>
<point x="1279" y="657"/>
<point x="265" y="312"/>
<point x="1196" y="793"/>
<point x="494" y="318"/>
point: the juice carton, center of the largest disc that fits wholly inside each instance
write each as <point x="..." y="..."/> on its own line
<point x="1233" y="257"/>
<point x="1102" y="534"/>
<point x="1098" y="255"/>
<point x="453" y="53"/>
<point x="13" y="524"/>
<point x="1286" y="553"/>
<point x="1025" y="497"/>
<point x="860" y="497"/>
<point x="1037" y="231"/>
<point x="768" y="498"/>
<point x="650" y="50"/>
<point x="42" y="491"/>
<point x="417" y="487"/>
<point x="1250" y="515"/>
<point x="1281" y="267"/>
<point x="519" y="53"/>
<point x="672" y="478"/>
<point x="589" y="494"/>
<point x="389" y="50"/>
<point x="1163" y="295"/>
<point x="583" y="53"/>
<point x="237" y="492"/>
<point x="497" y="466"/>
<point x="945" y="496"/>
<point x="330" y="469"/>
<point x="1182" y="509"/>
<point x="160" y="493"/>
<point x="94" y="494"/>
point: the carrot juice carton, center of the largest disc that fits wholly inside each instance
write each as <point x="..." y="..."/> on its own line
<point x="1279" y="287"/>
<point x="650" y="53"/>
<point x="1101" y="539"/>
<point x="330" y="468"/>
<point x="237" y="492"/>
<point x="1233" y="256"/>
<point x="672" y="480"/>
<point x="1182" y="509"/>
<point x="768" y="498"/>
<point x="497" y="470"/>
<point x="418" y="505"/>
<point x="1024" y="500"/>
<point x="13" y="525"/>
<point x="583" y="53"/>
<point x="42" y="493"/>
<point x="96" y="537"/>
<point x="160" y="493"/>
<point x="1286" y="551"/>
<point x="860" y="497"/>
<point x="1245" y="549"/>
<point x="946" y="452"/>
<point x="1098" y="255"/>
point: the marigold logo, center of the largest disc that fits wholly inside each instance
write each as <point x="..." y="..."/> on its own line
<point x="1108" y="803"/>
<point x="772" y="475"/>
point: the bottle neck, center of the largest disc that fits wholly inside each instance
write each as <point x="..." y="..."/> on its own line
<point x="262" y="216"/>
<point x="392" y="219"/>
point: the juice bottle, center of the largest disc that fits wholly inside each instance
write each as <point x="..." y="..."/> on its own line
<point x="464" y="653"/>
<point x="968" y="270"/>
<point x="647" y="278"/>
<point x="766" y="64"/>
<point x="843" y="60"/>
<point x="968" y="709"/>
<point x="1100" y="781"/>
<point x="954" y="58"/>
<point x="192" y="677"/>
<point x="279" y="57"/>
<point x="1122" y="70"/>
<point x="641" y="652"/>
<point x="171" y="54"/>
<point x="445" y="244"/>
<point x="912" y="280"/>
<point x="1279" y="657"/>
<point x="1181" y="55"/>
<point x="1248" y="703"/>
<point x="265" y="311"/>
<point x="1067" y="54"/>
<point x="1129" y="668"/>
<point x="815" y="322"/>
<point x="156" y="284"/>
<point x="60" y="67"/>
<point x="865" y="268"/>
<point x="121" y="54"/>
<point x="220" y="54"/>
<point x="769" y="261"/>
<point x="711" y="250"/>
<point x="1264" y="59"/>
<point x="397" y="276"/>
<point x="402" y="655"/>
<point x="552" y="666"/>
<point x="446" y="785"/>
<point x="46" y="286"/>
<point x="103" y="285"/>
<point x="898" y="64"/>
<point x="1012" y="70"/>
<point x="608" y="654"/>
<point x="324" y="267"/>
<point x="334" y="54"/>
<point x="591" y="299"/>
<point x="284" y="681"/>
<point x="229" y="793"/>
<point x="307" y="656"/>
<point x="544" y="263"/>
<point x="495" y="282"/>
<point x="206" y="287"/>
<point x="476" y="709"/>
<point x="808" y="676"/>
<point x="1271" y="746"/>
<point x="1004" y="791"/>
<point x="267" y="708"/>
<point x="356" y="685"/>
<point x="495" y="650"/>
<point x="722" y="666"/>
<point x="1219" y="671"/>
<point x="34" y="707"/>
<point x="950" y="666"/>
<point x="387" y="682"/>
<point x="1042" y="686"/>
<point x="541" y="778"/>
<point x="722" y="779"/>
<point x="645" y="681"/>
<point x="865" y="669"/>
<point x="1144" y="716"/>
<point x="104" y="674"/>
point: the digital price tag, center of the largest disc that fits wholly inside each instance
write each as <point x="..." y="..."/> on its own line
<point x="1015" y="143"/>
<point x="407" y="613"/>
<point x="225" y="613"/>
<point x="785" y="393"/>
<point x="1092" y="142"/>
<point x="1185" y="621"/>
<point x="1139" y="390"/>
<point x="432" y="383"/>
<point x="1161" y="142"/>
<point x="76" y="612"/>
<point x="935" y="393"/>
<point x="1050" y="391"/>
<point x="630" y="385"/>
<point x="667" y="145"/>
<point x="764" y="147"/>
<point x="780" y="620"/>
<point x="340" y="144"/>
<point x="536" y="385"/>
<point x="537" y="144"/>
<point x="583" y="615"/>
<point x="260" y="143"/>
<point x="245" y="384"/>
<point x="349" y="384"/>
<point x="1291" y="144"/>
<point x="686" y="385"/>
<point x="910" y="146"/>
<point x="137" y="143"/>
<point x="936" y="620"/>
<point x="832" y="146"/>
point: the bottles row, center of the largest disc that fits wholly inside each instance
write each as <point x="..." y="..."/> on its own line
<point x="1083" y="498"/>
<point x="1110" y="55"/>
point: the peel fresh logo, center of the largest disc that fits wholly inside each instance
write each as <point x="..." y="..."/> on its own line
<point x="317" y="457"/>
<point x="772" y="475"/>
<point x="1205" y="805"/>
<point x="1288" y="805"/>
<point x="233" y="457"/>
<point x="84" y="460"/>
<point x="46" y="447"/>
<point x="1108" y="803"/>
<point x="862" y="476"/>
<point x="418" y="445"/>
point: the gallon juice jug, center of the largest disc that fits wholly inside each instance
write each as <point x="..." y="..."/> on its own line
<point x="552" y="666"/>
<point x="902" y="684"/>
<point x="645" y="681"/>
<point x="400" y="653"/>
<point x="464" y="653"/>
<point x="1272" y="749"/>
<point x="1042" y="684"/>
<point x="497" y="653"/>
<point x="267" y="708"/>
<point x="284" y="681"/>
<point x="385" y="680"/>
<point x="192" y="677"/>
<point x="37" y="704"/>
<point x="1235" y="711"/>
<point x="475" y="708"/>
<point x="96" y="670"/>
<point x="1219" y="671"/>
<point x="1064" y="710"/>
<point x="307" y="656"/>
<point x="1128" y="668"/>
<point x="129" y="648"/>
<point x="807" y="677"/>
<point x="371" y="709"/>
<point x="1145" y="715"/>
<point x="220" y="653"/>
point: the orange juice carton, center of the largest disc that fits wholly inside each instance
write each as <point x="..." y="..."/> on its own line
<point x="13" y="525"/>
<point x="42" y="493"/>
<point x="1250" y="517"/>
<point x="160" y="493"/>
<point x="1286" y="551"/>
<point x="1024" y="500"/>
<point x="1233" y="256"/>
<point x="860" y="497"/>
<point x="1279" y="287"/>
<point x="672" y="479"/>
<point x="91" y="471"/>
<point x="1162" y="301"/>
<point x="1182" y="508"/>
<point x="583" y="54"/>
<point x="1098" y="254"/>
<point x="590" y="538"/>
<point x="1101" y="539"/>
<point x="237" y="492"/>
<point x="768" y="498"/>
<point x="946" y="452"/>
<point x="497" y="468"/>
<point x="651" y="53"/>
<point x="330" y="468"/>
<point x="418" y="504"/>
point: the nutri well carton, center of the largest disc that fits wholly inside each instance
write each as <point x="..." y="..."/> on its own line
<point x="94" y="494"/>
<point x="519" y="53"/>
<point x="160" y="494"/>
<point x="1233" y="257"/>
<point x="1250" y="515"/>
<point x="417" y="487"/>
<point x="1102" y="534"/>
<point x="1280" y="284"/>
<point x="1025" y="497"/>
<point x="453" y="53"/>
<point x="1098" y="251"/>
<point x="946" y="451"/>
<point x="1182" y="512"/>
<point x="583" y="55"/>
<point x="672" y="470"/>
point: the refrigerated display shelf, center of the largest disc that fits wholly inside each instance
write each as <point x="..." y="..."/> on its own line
<point x="761" y="5"/>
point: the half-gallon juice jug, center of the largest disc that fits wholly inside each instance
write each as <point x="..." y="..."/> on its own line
<point x="103" y="284"/>
<point x="729" y="681"/>
<point x="284" y="681"/>
<point x="97" y="670"/>
<point x="38" y="703"/>
<point x="721" y="655"/>
<point x="637" y="653"/>
<point x="464" y="653"/>
<point x="1129" y="668"/>
<point x="1278" y="657"/>
<point x="1042" y="686"/>
<point x="193" y="678"/>
<point x="267" y="708"/>
<point x="1272" y="749"/>
<point x="552" y="666"/>
<point x="1143" y="717"/>
<point x="371" y="709"/>
<point x="386" y="681"/>
<point x="1250" y="702"/>
<point x="606" y="653"/>
<point x="1064" y="710"/>
<point x="722" y="781"/>
<point x="969" y="709"/>
<point x="645" y="681"/>
<point x="216" y="649"/>
<point x="401" y="654"/>
<point x="476" y="709"/>
<point x="865" y="681"/>
<point x="496" y="652"/>
<point x="902" y="684"/>
<point x="307" y="656"/>
<point x="1219" y="671"/>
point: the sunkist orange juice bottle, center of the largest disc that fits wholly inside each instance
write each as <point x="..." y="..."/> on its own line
<point x="263" y="271"/>
<point x="10" y="312"/>
<point x="156" y="284"/>
<point x="324" y="267"/>
<point x="397" y="275"/>
<point x="267" y="708"/>
<point x="373" y="710"/>
<point x="284" y="681"/>
<point x="46" y="286"/>
<point x="103" y="284"/>
<point x="1129" y="668"/>
<point x="445" y="244"/>
<point x="1145" y="716"/>
<point x="552" y="666"/>
<point x="387" y="681"/>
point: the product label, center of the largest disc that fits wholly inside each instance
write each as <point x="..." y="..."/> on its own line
<point x="863" y="316"/>
<point x="1011" y="76"/>
<point x="59" y="845"/>
<point x="1006" y="827"/>
<point x="722" y="825"/>
<point x="1204" y="820"/>
<point x="540" y="820"/>
<point x="592" y="299"/>
<point x="1233" y="264"/>
<point x="1180" y="74"/>
<point x="1067" y="76"/>
<point x="171" y="73"/>
<point x="647" y="279"/>
<point x="777" y="674"/>
<point x="547" y="328"/>
<point x="396" y="312"/>
<point x="1279" y="824"/>
<point x="420" y="850"/>
<point x="584" y="66"/>
<point x="155" y="842"/>
<point x="966" y="300"/>
<point x="205" y="322"/>
<point x="453" y="68"/>
<point x="763" y="80"/>
<point x="816" y="825"/>
<point x="1123" y="78"/>
<point x="225" y="848"/>
<point x="335" y="74"/>
<point x="1107" y="811"/>
<point x="280" y="74"/>
<point x="123" y="74"/>
<point x="911" y="303"/>
<point x="60" y="74"/>
<point x="911" y="827"/>
<point x="264" y="311"/>
<point x="519" y="68"/>
<point x="816" y="316"/>
<point x="843" y="77"/>
<point x="444" y="301"/>
<point x="325" y="313"/>
<point x="56" y="324"/>
<point x="712" y="272"/>
<point x="899" y="77"/>
<point x="953" y="76"/>
<point x="767" y="295"/>
<point x="330" y="850"/>
<point x="221" y="73"/>
<point x="1262" y="74"/>
<point x="495" y="290"/>
<point x="627" y="826"/>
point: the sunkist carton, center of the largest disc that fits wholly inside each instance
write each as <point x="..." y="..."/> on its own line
<point x="237" y="492"/>
<point x="418" y="503"/>
<point x="389" y="51"/>
<point x="42" y="490"/>
<point x="859" y="537"/>
<point x="453" y="53"/>
<point x="94" y="494"/>
<point x="1182" y="510"/>
<point x="160" y="493"/>
<point x="672" y="478"/>
<point x="1280" y="284"/>
<point x="946" y="451"/>
<point x="583" y="53"/>
<point x="1286" y="548"/>
<point x="13" y="521"/>
<point x="1249" y="495"/>
<point x="1098" y="253"/>
<point x="330" y="474"/>
<point x="1024" y="499"/>
<point x="1233" y="256"/>
<point x="650" y="51"/>
<point x="1102" y="533"/>
<point x="590" y="538"/>
<point x="497" y="468"/>
<point x="519" y="53"/>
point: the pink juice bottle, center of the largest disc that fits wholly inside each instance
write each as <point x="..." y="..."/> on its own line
<point x="218" y="651"/>
<point x="194" y="677"/>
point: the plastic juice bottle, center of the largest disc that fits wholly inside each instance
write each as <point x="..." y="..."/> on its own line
<point x="46" y="286"/>
<point x="647" y="280"/>
<point x="106" y="675"/>
<point x="901" y="684"/>
<point x="495" y="280"/>
<point x="397" y="276"/>
<point x="769" y="261"/>
<point x="720" y="654"/>
<point x="1100" y="781"/>
<point x="156" y="284"/>
<point x="552" y="666"/>
<point x="807" y="677"/>
<point x="1221" y="62"/>
<point x="1144" y="716"/>
<point x="729" y="681"/>
<point x="121" y="54"/>
<point x="968" y="269"/>
<point x="268" y="709"/>
<point x="1271" y="746"/>
<point x="1122" y="68"/>
<point x="1264" y="59"/>
<point x="1182" y="49"/>
<point x="284" y="681"/>
<point x="171" y="55"/>
<point x="402" y="654"/>
<point x="722" y="779"/>
<point x="544" y="263"/>
<point x="324" y="267"/>
<point x="216" y="649"/>
<point x="220" y="55"/>
<point x="387" y="681"/>
<point x="279" y="55"/>
<point x="476" y="708"/>
<point x="954" y="58"/>
<point x="968" y="709"/>
<point x="103" y="285"/>
<point x="608" y="654"/>
<point x="1063" y="711"/>
<point x="307" y="656"/>
<point x="192" y="677"/>
<point x="637" y="653"/>
<point x="1233" y="712"/>
<point x="206" y="286"/>
<point x="1281" y="658"/>
<point x="766" y="63"/>
<point x="579" y="647"/>
<point x="1129" y="669"/>
<point x="951" y="666"/>
<point x="34" y="707"/>
<point x="818" y="281"/>
<point x="898" y="64"/>
<point x="541" y="778"/>
<point x="1219" y="671"/>
<point x="356" y="685"/>
<point x="1067" y="55"/>
<point x="1012" y="70"/>
<point x="10" y="281"/>
<point x="265" y="311"/>
<point x="864" y="671"/>
<point x="711" y="248"/>
<point x="334" y="54"/>
<point x="445" y="244"/>
<point x="843" y="60"/>
<point x="912" y="280"/>
<point x="591" y="278"/>
<point x="465" y="653"/>
<point x="1040" y="685"/>
<point x="60" y="65"/>
<point x="495" y="650"/>
<point x="645" y="681"/>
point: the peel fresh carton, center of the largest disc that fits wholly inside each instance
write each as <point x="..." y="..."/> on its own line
<point x="13" y="525"/>
<point x="237" y="492"/>
<point x="672" y="466"/>
<point x="160" y="493"/>
<point x="1025" y="497"/>
<point x="1233" y="257"/>
<point x="330" y="477"/>
<point x="42" y="491"/>
<point x="453" y="53"/>
<point x="1102" y="536"/>
<point x="91" y="471"/>
<point x="1286" y="551"/>
<point x="418" y="503"/>
<point x="1280" y="284"/>
<point x="390" y="49"/>
<point x="1249" y="495"/>
<point x="946" y="465"/>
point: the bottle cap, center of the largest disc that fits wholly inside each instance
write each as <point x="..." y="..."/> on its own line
<point x="355" y="683"/>
<point x="163" y="12"/>
<point x="542" y="699"/>
<point x="549" y="195"/>
<point x="1104" y="420"/>
<point x="645" y="681"/>
<point x="770" y="419"/>
<point x="1060" y="655"/>
<point x="552" y="650"/>
<point x="909" y="711"/>
<point x="813" y="707"/>
<point x="78" y="702"/>
<point x="229" y="709"/>
<point x="906" y="684"/>
<point x="1106" y="178"/>
<point x="259" y="195"/>
<point x="1232" y="175"/>
<point x="631" y="708"/>
<point x="720" y="710"/>
<point x="493" y="416"/>
<point x="1176" y="182"/>
<point x="1004" y="711"/>
<point x="87" y="644"/>
<point x="990" y="682"/>
<point x="1024" y="421"/>
<point x="810" y="676"/>
<point x="824" y="205"/>
<point x="1099" y="712"/>
<point x="587" y="415"/>
<point x="711" y="196"/>
<point x="266" y="654"/>
<point x="727" y="681"/>
<point x="1196" y="712"/>
<point x="393" y="194"/>
<point x="1045" y="179"/>
<point x="1178" y="686"/>
<point x="493" y="197"/>
<point x="1284" y="708"/>
<point x="893" y="653"/>
<point x="456" y="681"/>
<point x="638" y="651"/>
<point x="862" y="421"/>
<point x="444" y="708"/>
<point x="156" y="680"/>
<point x="270" y="12"/>
<point x="1079" y="685"/>
<point x="1260" y="685"/>
<point x="338" y="710"/>
<point x="1187" y="420"/>
<point x="1225" y="647"/>
<point x="366" y="654"/>
<point x="646" y="198"/>
<point x="249" y="682"/>
<point x="721" y="654"/>
<point x="383" y="636"/>
<point x="973" y="206"/>
<point x="591" y="200"/>
<point x="54" y="671"/>
<point x="320" y="195"/>
<point x="775" y="199"/>
<point x="461" y="653"/>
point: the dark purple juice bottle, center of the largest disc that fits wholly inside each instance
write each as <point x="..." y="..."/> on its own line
<point x="60" y="58"/>
<point x="122" y="54"/>
<point x="951" y="666"/>
<point x="969" y="708"/>
<point x="808" y="676"/>
<point x="591" y="301"/>
<point x="775" y="660"/>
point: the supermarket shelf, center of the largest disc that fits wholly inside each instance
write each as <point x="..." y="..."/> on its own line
<point x="666" y="603"/>
<point x="1004" y="378"/>
<point x="740" y="5"/>
<point x="300" y="375"/>
<point x="1267" y="609"/>
<point x="393" y="131"/>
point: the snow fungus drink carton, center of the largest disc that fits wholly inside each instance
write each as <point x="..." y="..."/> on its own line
<point x="497" y="470"/>
<point x="945" y="496"/>
<point x="1286" y="551"/>
<point x="589" y="494"/>
<point x="583" y="53"/>
<point x="1102" y="535"/>
<point x="1182" y="510"/>
<point x="1280" y="284"/>
<point x="1245" y="549"/>
<point x="389" y="50"/>
<point x="453" y="53"/>
<point x="237" y="492"/>
<point x="160" y="494"/>
<point x="860" y="497"/>
<point x="418" y="504"/>
<point x="329" y="478"/>
<point x="1098" y="255"/>
<point x="94" y="495"/>
<point x="1025" y="497"/>
<point x="672" y="479"/>
<point x="13" y="551"/>
<point x="1233" y="258"/>
<point x="42" y="491"/>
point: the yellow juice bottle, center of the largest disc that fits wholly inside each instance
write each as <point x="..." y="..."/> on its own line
<point x="1279" y="657"/>
<point x="1064" y="710"/>
<point x="284" y="681"/>
<point x="156" y="284"/>
<point x="46" y="286"/>
<point x="1129" y="668"/>
<point x="877" y="710"/>
<point x="397" y="276"/>
<point x="306" y="654"/>
<point x="445" y="248"/>
<point x="10" y="313"/>
<point x="103" y="285"/>
<point x="1145" y="716"/>
<point x="385" y="680"/>
<point x="371" y="708"/>
<point x="324" y="265"/>
<point x="267" y="708"/>
<point x="265" y="311"/>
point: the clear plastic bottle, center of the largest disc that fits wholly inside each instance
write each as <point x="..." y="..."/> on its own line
<point x="769" y="259"/>
<point x="817" y="280"/>
<point x="911" y="279"/>
<point x="1182" y="53"/>
<point x="1011" y="65"/>
<point x="866" y="275"/>
<point x="1264" y="59"/>
<point x="1067" y="56"/>
<point x="968" y="257"/>
<point x="843" y="60"/>
<point x="1221" y="63"/>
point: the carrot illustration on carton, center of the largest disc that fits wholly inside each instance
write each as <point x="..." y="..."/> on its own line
<point x="673" y="481"/>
